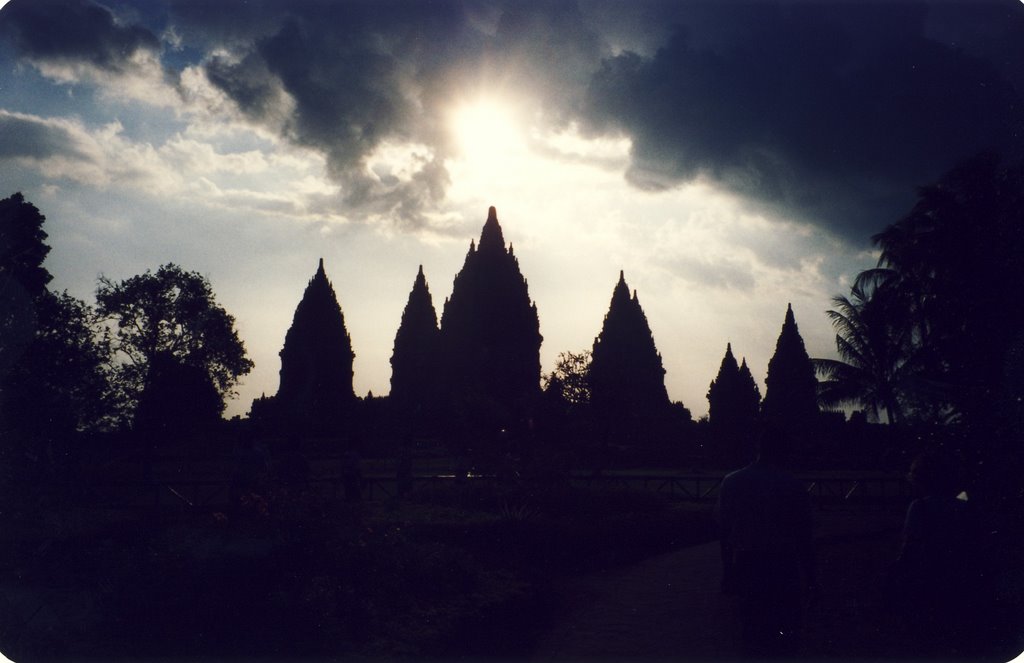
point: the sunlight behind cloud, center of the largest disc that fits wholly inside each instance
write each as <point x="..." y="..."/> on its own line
<point x="487" y="135"/>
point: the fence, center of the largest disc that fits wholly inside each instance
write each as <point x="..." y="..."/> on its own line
<point x="697" y="488"/>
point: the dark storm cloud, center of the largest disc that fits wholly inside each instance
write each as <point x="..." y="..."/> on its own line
<point x="827" y="112"/>
<point x="73" y="31"/>
<point x="832" y="113"/>
<point x="24" y="136"/>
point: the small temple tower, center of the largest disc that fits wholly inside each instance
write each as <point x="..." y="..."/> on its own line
<point x="627" y="379"/>
<point x="316" y="360"/>
<point x="414" y="361"/>
<point x="790" y="397"/>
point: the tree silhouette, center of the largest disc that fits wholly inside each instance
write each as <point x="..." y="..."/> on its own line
<point x="316" y="360"/>
<point x="177" y="398"/>
<point x="876" y="367"/>
<point x="170" y="313"/>
<point x="571" y="377"/>
<point x="952" y="259"/>
<point x="53" y="378"/>
<point x="23" y="278"/>
<point x="627" y="379"/>
<point x="414" y="361"/>
<point x="790" y="388"/>
<point x="490" y="336"/>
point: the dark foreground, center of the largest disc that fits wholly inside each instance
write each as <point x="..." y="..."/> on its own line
<point x="452" y="572"/>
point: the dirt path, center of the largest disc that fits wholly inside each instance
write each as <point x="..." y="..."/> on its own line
<point x="670" y="607"/>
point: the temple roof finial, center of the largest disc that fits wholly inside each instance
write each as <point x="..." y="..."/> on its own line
<point x="491" y="237"/>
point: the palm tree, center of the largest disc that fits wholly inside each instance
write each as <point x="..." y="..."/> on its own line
<point x="877" y="364"/>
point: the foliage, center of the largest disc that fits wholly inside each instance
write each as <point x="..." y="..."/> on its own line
<point x="877" y="366"/>
<point x="571" y="377"/>
<point x="22" y="245"/>
<point x="170" y="313"/>
<point x="22" y="275"/>
<point x="955" y="262"/>
<point x="63" y="374"/>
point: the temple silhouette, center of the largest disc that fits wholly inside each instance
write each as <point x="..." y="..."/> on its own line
<point x="490" y="339"/>
<point x="627" y="378"/>
<point x="316" y="362"/>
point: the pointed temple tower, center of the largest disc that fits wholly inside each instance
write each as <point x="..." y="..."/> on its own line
<point x="414" y="362"/>
<point x="790" y="397"/>
<point x="733" y="397"/>
<point x="316" y="360"/>
<point x="490" y="333"/>
<point x="627" y="379"/>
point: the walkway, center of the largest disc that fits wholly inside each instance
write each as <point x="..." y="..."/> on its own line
<point x="670" y="606"/>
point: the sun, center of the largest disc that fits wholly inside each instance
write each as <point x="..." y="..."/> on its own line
<point x="487" y="132"/>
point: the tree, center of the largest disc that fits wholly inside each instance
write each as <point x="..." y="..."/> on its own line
<point x="63" y="374"/>
<point x="22" y="275"/>
<point x="171" y="313"/>
<point x="955" y="262"/>
<point x="876" y="366"/>
<point x="790" y="396"/>
<point x="571" y="377"/>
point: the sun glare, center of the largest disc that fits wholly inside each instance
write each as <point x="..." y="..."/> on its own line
<point x="486" y="132"/>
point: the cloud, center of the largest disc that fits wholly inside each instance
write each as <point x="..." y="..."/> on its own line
<point x="75" y="32"/>
<point x="828" y="113"/>
<point x="29" y="137"/>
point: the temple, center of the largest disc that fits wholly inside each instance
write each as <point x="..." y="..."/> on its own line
<point x="316" y="360"/>
<point x="490" y="334"/>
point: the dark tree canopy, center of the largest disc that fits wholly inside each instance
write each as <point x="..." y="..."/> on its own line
<point x="22" y="245"/>
<point x="490" y="332"/>
<point x="626" y="374"/>
<point x="177" y="398"/>
<point x="60" y="383"/>
<point x="22" y="275"/>
<point x="955" y="261"/>
<point x="571" y="378"/>
<point x="414" y="361"/>
<point x="316" y="360"/>
<point x="877" y="367"/>
<point x="171" y="312"/>
<point x="734" y="399"/>
<point x="791" y="386"/>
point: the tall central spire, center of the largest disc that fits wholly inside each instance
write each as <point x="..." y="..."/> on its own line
<point x="490" y="333"/>
<point x="491" y="237"/>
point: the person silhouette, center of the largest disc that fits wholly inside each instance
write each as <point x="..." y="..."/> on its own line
<point x="765" y="527"/>
<point x="939" y="584"/>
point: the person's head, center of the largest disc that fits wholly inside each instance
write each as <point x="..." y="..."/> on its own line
<point x="774" y="446"/>
<point x="934" y="474"/>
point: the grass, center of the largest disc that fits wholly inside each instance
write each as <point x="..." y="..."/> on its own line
<point x="456" y="570"/>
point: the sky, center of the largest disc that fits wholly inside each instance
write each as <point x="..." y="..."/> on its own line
<point x="730" y="157"/>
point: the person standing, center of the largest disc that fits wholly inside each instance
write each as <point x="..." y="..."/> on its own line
<point x="767" y="551"/>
